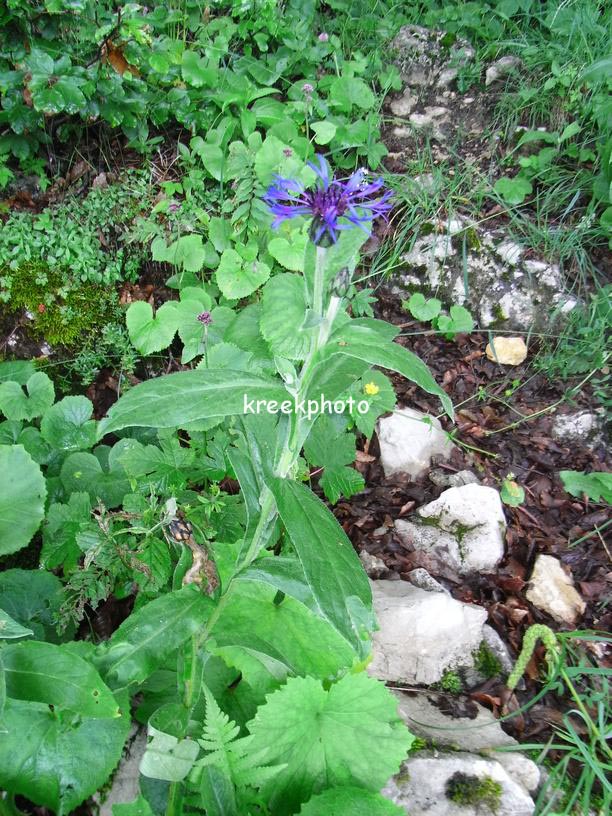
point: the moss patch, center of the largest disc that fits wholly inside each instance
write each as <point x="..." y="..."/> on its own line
<point x="468" y="789"/>
<point x="486" y="662"/>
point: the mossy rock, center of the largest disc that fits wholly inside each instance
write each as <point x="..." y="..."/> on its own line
<point x="63" y="310"/>
<point x="468" y="789"/>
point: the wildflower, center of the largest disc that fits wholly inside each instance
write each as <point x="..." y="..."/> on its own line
<point x="205" y="318"/>
<point x="371" y="389"/>
<point x="173" y="206"/>
<point x="323" y="36"/>
<point x="41" y="308"/>
<point x="352" y="199"/>
<point x="288" y="152"/>
<point x="307" y="89"/>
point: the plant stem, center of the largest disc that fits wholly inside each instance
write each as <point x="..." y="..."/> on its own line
<point x="319" y="277"/>
<point x="175" y="799"/>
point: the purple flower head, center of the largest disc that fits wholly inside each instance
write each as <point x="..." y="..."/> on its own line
<point x="353" y="199"/>
<point x="323" y="36"/>
<point x="173" y="206"/>
<point x="205" y="318"/>
<point x="307" y="88"/>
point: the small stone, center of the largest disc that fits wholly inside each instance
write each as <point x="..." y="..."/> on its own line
<point x="374" y="566"/>
<point x="408" y="444"/>
<point x="462" y="531"/>
<point x="125" y="785"/>
<point x="507" y="350"/>
<point x="501" y="68"/>
<point x="498" y="648"/>
<point x="421" y="634"/>
<point x="583" y="427"/>
<point x="424" y="785"/>
<point x="509" y="252"/>
<point x="405" y="104"/>
<point x="420" y="578"/>
<point x="445" y="478"/>
<point x="447" y="76"/>
<point x="552" y="590"/>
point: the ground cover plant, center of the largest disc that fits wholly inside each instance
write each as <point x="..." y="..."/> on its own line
<point x="235" y="240"/>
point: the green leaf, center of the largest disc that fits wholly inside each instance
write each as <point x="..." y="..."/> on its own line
<point x="33" y="599"/>
<point x="43" y="755"/>
<point x="196" y="72"/>
<point x="349" y="801"/>
<point x="331" y="567"/>
<point x="68" y="426"/>
<point x="349" y="735"/>
<point x="155" y="555"/>
<point x="347" y="92"/>
<point x="460" y="321"/>
<point x="289" y="251"/>
<point x="421" y="309"/>
<point x="378" y="404"/>
<point x="167" y="757"/>
<point x="18" y="370"/>
<point x="22" y="498"/>
<point x="363" y="343"/>
<point x="513" y="190"/>
<point x="596" y="485"/>
<point x="14" y="403"/>
<point x="330" y="446"/>
<point x="237" y="278"/>
<point x="187" y="252"/>
<point x="143" y="642"/>
<point x="83" y="472"/>
<point x="213" y="157"/>
<point x="46" y="673"/>
<point x="10" y="629"/>
<point x="339" y="481"/>
<point x="188" y="396"/>
<point x="63" y="524"/>
<point x="150" y="334"/>
<point x="284" y="317"/>
<point x="139" y="807"/>
<point x="324" y="132"/>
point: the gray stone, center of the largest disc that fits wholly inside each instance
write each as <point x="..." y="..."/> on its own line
<point x="421" y="786"/>
<point x="501" y="68"/>
<point x="445" y="478"/>
<point x="446" y="76"/>
<point x="429" y="121"/>
<point x="552" y="591"/>
<point x="462" y="530"/>
<point x="405" y="104"/>
<point x="498" y="648"/>
<point x="583" y="427"/>
<point x="419" y="577"/>
<point x="374" y="566"/>
<point x="408" y="444"/>
<point x="422" y="57"/>
<point x="422" y="634"/>
<point x="125" y="785"/>
<point x="504" y="290"/>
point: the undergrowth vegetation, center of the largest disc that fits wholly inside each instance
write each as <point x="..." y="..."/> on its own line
<point x="234" y="155"/>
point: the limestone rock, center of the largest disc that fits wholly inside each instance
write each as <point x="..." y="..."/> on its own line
<point x="408" y="444"/>
<point x="507" y="350"/>
<point x="504" y="290"/>
<point x="583" y="428"/>
<point x="419" y="577"/>
<point x="374" y="566"/>
<point x="422" y="55"/>
<point x="552" y="590"/>
<point x="125" y="783"/>
<point x="425" y="780"/>
<point x="501" y="68"/>
<point x="463" y="530"/>
<point x="404" y="105"/>
<point x="421" y="634"/>
<point x="444" y="478"/>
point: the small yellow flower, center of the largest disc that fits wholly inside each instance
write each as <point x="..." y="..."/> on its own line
<point x="371" y="389"/>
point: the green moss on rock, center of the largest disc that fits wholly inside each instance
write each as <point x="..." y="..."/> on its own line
<point x="468" y="789"/>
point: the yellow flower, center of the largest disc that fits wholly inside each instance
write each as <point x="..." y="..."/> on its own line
<point x="371" y="389"/>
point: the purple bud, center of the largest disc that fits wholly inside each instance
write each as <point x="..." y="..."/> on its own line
<point x="173" y="207"/>
<point x="323" y="36"/>
<point x="288" y="152"/>
<point x="307" y="88"/>
<point x="205" y="318"/>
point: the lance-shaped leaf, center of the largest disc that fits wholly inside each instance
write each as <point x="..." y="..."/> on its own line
<point x="22" y="498"/>
<point x="331" y="566"/>
<point x="189" y="396"/>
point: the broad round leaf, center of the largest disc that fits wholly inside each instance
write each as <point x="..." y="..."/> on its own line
<point x="350" y="801"/>
<point x="238" y="278"/>
<point x="283" y="318"/>
<point x="150" y="334"/>
<point x="15" y="404"/>
<point x="22" y="498"/>
<point x="68" y="426"/>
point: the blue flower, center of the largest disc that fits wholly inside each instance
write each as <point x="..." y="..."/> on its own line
<point x="353" y="200"/>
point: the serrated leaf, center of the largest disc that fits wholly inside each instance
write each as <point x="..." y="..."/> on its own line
<point x="348" y="735"/>
<point x="63" y="524"/>
<point x="596" y="485"/>
<point x="377" y="404"/>
<point x="151" y="333"/>
<point x="16" y="405"/>
<point x="46" y="673"/>
<point x="155" y="555"/>
<point x="68" y="426"/>
<point x="237" y="278"/>
<point x="22" y="498"/>
<point x="349" y="801"/>
<point x="32" y="598"/>
<point x="341" y="481"/>
<point x="284" y="317"/>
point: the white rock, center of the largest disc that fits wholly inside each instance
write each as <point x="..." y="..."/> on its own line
<point x="422" y="784"/>
<point x="498" y="648"/>
<point x="507" y="350"/>
<point x="421" y="634"/>
<point x="408" y="444"/>
<point x="500" y="68"/>
<point x="509" y="252"/>
<point x="405" y="104"/>
<point x="463" y="530"/>
<point x="552" y="590"/>
<point x="444" y="478"/>
<point x="583" y="427"/>
<point x="447" y="76"/>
